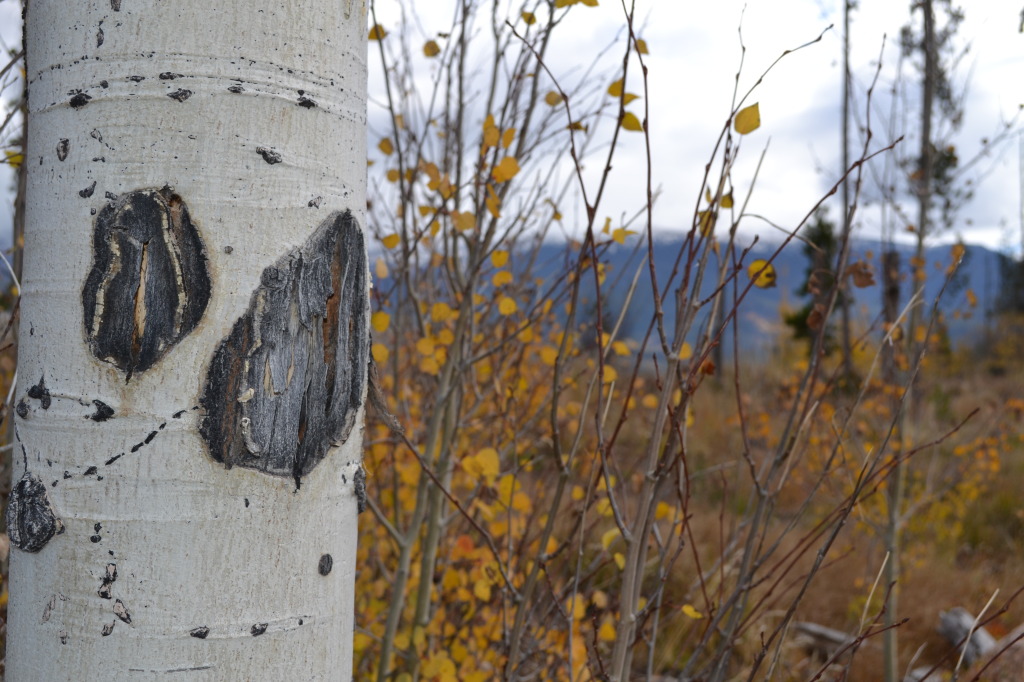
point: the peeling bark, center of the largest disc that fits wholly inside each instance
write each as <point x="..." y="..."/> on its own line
<point x="31" y="521"/>
<point x="149" y="283"/>
<point x="288" y="381"/>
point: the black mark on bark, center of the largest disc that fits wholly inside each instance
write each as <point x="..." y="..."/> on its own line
<point x="306" y="103"/>
<point x="287" y="382"/>
<point x="181" y="94"/>
<point x="79" y="100"/>
<point x="113" y="459"/>
<point x="103" y="411"/>
<point x="269" y="155"/>
<point x="87" y="192"/>
<point x="31" y="521"/>
<point x="136" y="79"/>
<point x="201" y="632"/>
<point x="121" y="612"/>
<point x="108" y="628"/>
<point x="149" y="283"/>
<point x="41" y="393"/>
<point x="115" y="5"/>
<point x="22" y="408"/>
<point x="359" y="484"/>
<point x="94" y="538"/>
<point x="236" y="89"/>
<point x="109" y="576"/>
<point x="325" y="565"/>
<point x="62" y="148"/>
<point x="315" y="202"/>
<point x="258" y="629"/>
<point x="99" y="35"/>
<point x="169" y="76"/>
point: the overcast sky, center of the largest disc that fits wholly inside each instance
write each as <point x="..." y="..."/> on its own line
<point x="694" y="54"/>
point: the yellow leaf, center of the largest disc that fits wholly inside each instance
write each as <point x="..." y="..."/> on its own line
<point x="748" y="119"/>
<point x="380" y="321"/>
<point x="530" y="18"/>
<point x="576" y="125"/>
<point x="431" y="49"/>
<point x="706" y="222"/>
<point x="599" y="598"/>
<point x="552" y="98"/>
<point x="615" y="89"/>
<point x="577" y="493"/>
<point x="501" y="278"/>
<point x="441" y="312"/>
<point x="381" y="268"/>
<point x="620" y="348"/>
<point x="610" y="374"/>
<point x="548" y="355"/>
<point x="606" y="633"/>
<point x="763" y="273"/>
<point x="499" y="258"/>
<point x="589" y="3"/>
<point x="489" y="464"/>
<point x="491" y="133"/>
<point x="641" y="46"/>
<point x="629" y="97"/>
<point x="691" y="612"/>
<point x="463" y="221"/>
<point x="663" y="511"/>
<point x="727" y="201"/>
<point x="972" y="298"/>
<point x="386" y="146"/>
<point x="507" y="137"/>
<point x="482" y="590"/>
<point x="608" y="538"/>
<point x="390" y="241"/>
<point x="393" y="175"/>
<point x="380" y="353"/>
<point x="686" y="351"/>
<point x="620" y="560"/>
<point x="507" y="306"/>
<point x="425" y="346"/>
<point x="631" y="122"/>
<point x="14" y="158"/>
<point x="429" y="366"/>
<point x="506" y="169"/>
<point x="446" y="337"/>
<point x="377" y="32"/>
<point x="620" y="234"/>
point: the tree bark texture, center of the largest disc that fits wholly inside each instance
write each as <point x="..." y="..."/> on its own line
<point x="194" y="342"/>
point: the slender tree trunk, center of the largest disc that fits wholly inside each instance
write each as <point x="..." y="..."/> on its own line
<point x="193" y="342"/>
<point x="844" y="299"/>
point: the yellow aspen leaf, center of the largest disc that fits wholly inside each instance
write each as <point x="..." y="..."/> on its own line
<point x="599" y="599"/>
<point x="589" y="3"/>
<point x="501" y="278"/>
<point x="615" y="89"/>
<point x="650" y="401"/>
<point x="446" y="337"/>
<point x="529" y="18"/>
<point x="507" y="137"/>
<point x="972" y="298"/>
<point x="548" y="355"/>
<point x="610" y="374"/>
<point x="607" y="229"/>
<point x="491" y="133"/>
<point x="463" y="220"/>
<point x="425" y="346"/>
<point x="499" y="258"/>
<point x="763" y="273"/>
<point x="631" y="122"/>
<point x="380" y="321"/>
<point x="685" y="351"/>
<point x="431" y="48"/>
<point x="552" y="98"/>
<point x="663" y="511"/>
<point x="431" y="171"/>
<point x="707" y="195"/>
<point x="629" y="97"/>
<point x="706" y="222"/>
<point x="377" y="32"/>
<point x="386" y="146"/>
<point x="390" y="241"/>
<point x="576" y="125"/>
<point x="14" y="158"/>
<point x="393" y="175"/>
<point x="380" y="268"/>
<point x="435" y="227"/>
<point x="620" y="560"/>
<point x="691" y="612"/>
<point x="641" y="46"/>
<point x="425" y="210"/>
<point x="441" y="312"/>
<point x="430" y="366"/>
<point x="748" y="119"/>
<point x="606" y="633"/>
<point x="620" y="234"/>
<point x="576" y="606"/>
<point x="609" y="537"/>
<point x="507" y="306"/>
<point x="577" y="493"/>
<point x="482" y="590"/>
<point x="493" y="205"/>
<point x="921" y="334"/>
<point x="506" y="169"/>
<point x="689" y="416"/>
<point x="620" y="348"/>
<point x="489" y="464"/>
<point x="564" y="3"/>
<point x="727" y="201"/>
<point x="380" y="353"/>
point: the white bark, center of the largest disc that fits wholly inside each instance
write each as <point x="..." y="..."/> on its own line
<point x="195" y="545"/>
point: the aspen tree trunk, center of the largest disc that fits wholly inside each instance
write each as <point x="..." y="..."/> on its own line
<point x="193" y="342"/>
